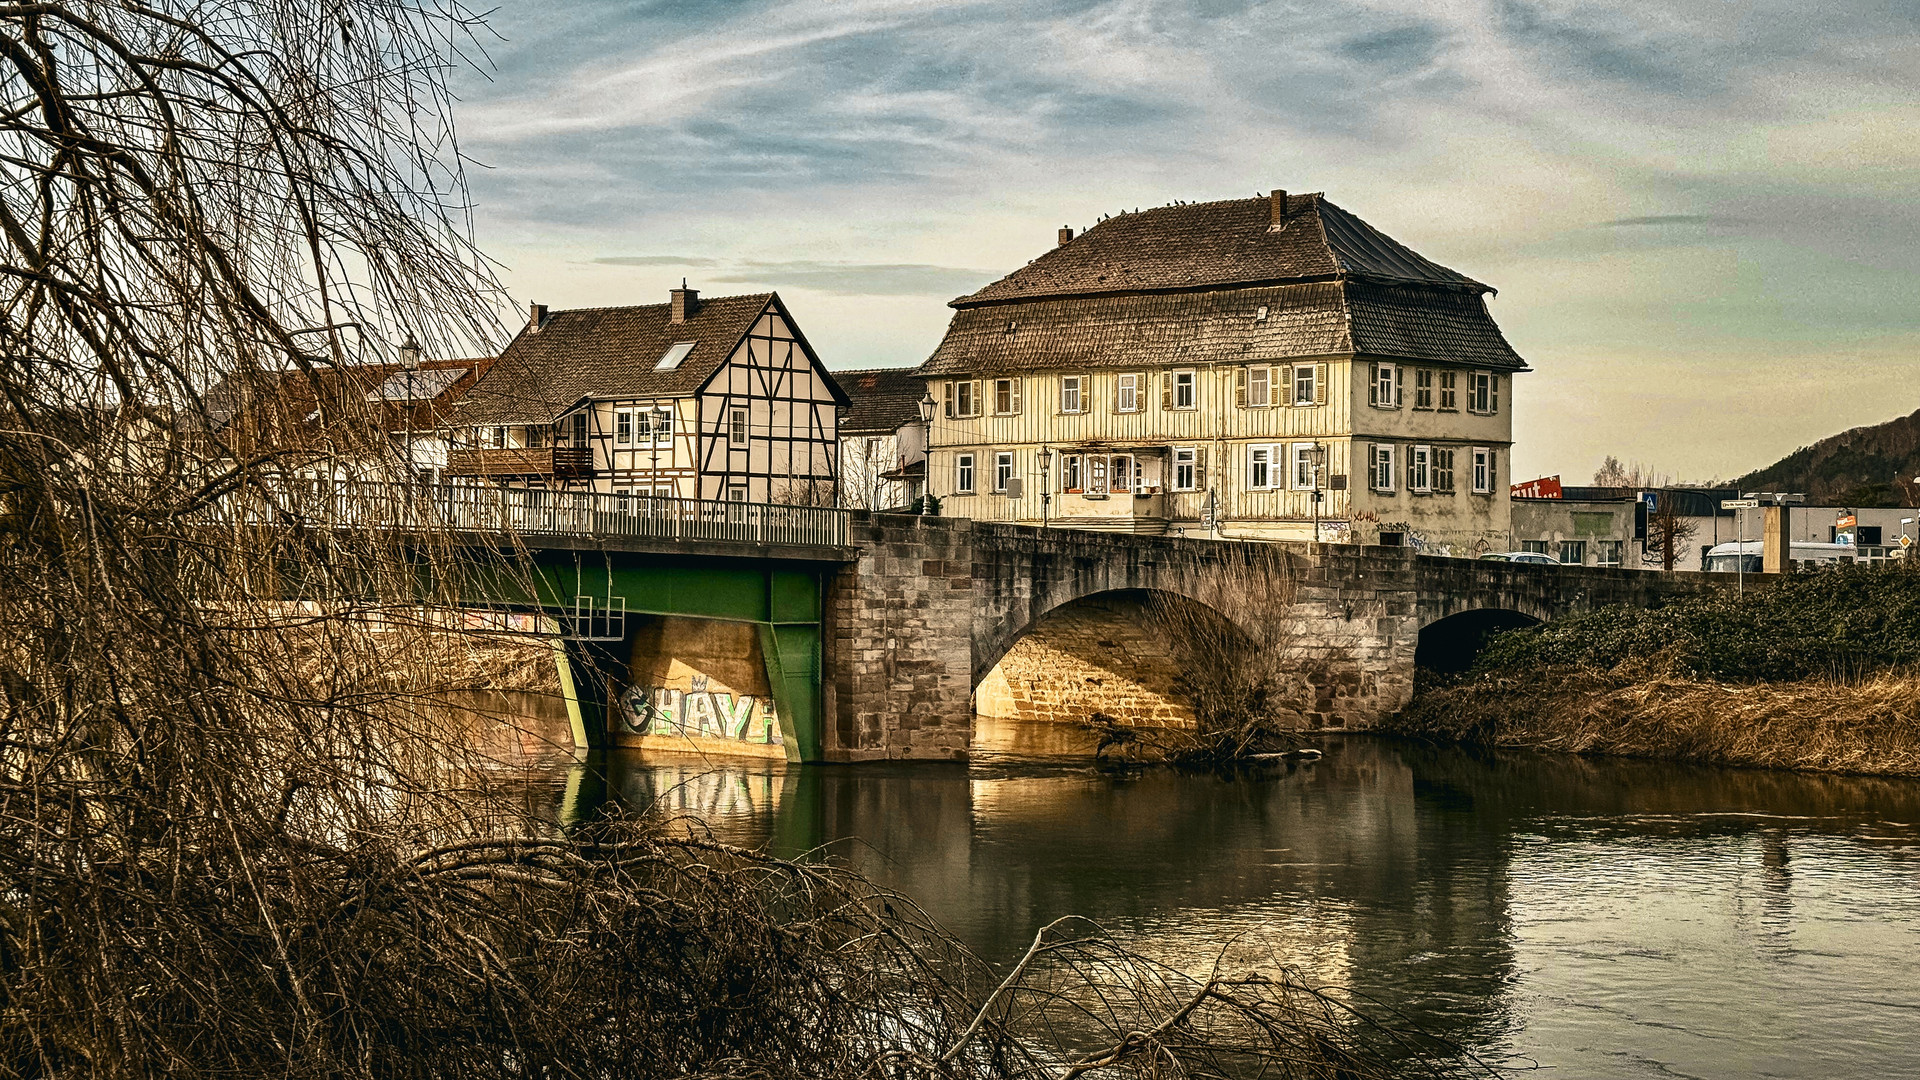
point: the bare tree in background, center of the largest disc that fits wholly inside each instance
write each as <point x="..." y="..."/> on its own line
<point x="1668" y="532"/>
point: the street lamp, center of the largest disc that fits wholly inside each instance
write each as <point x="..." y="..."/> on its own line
<point x="1316" y="460"/>
<point x="927" y="405"/>
<point x="1046" y="488"/>
<point x="410" y="363"/>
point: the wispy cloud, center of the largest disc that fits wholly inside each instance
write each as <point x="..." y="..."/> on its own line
<point x="1665" y="220"/>
<point x="837" y="278"/>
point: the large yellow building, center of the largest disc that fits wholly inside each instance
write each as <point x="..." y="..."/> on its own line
<point x="1254" y="369"/>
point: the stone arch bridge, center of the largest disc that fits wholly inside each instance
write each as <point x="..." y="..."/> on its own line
<point x="925" y="618"/>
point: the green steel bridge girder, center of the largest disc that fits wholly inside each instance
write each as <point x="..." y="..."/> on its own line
<point x="784" y="600"/>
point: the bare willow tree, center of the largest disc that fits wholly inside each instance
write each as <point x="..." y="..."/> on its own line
<point x="237" y="836"/>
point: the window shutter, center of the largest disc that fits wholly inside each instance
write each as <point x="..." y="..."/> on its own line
<point x="1373" y="391"/>
<point x="1319" y="384"/>
<point x="1145" y="384"/>
<point x="1013" y="396"/>
<point x="1493" y="392"/>
<point x="1399" y="384"/>
<point x="1493" y="474"/>
<point x="1240" y="387"/>
<point x="1166" y="390"/>
<point x="949" y="397"/>
<point x="1200" y="468"/>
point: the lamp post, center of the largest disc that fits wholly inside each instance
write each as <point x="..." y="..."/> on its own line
<point x="927" y="405"/>
<point x="410" y="363"/>
<point x="1316" y="460"/>
<point x="1046" y="487"/>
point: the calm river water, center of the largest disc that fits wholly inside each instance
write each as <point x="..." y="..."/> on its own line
<point x="1607" y="918"/>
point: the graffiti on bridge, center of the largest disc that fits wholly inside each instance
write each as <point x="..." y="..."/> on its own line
<point x="701" y="713"/>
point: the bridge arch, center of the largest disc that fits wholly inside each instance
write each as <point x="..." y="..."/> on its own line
<point x="1125" y="653"/>
<point x="1450" y="644"/>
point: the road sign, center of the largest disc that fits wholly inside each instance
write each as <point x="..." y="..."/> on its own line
<point x="1739" y="504"/>
<point x="1906" y="541"/>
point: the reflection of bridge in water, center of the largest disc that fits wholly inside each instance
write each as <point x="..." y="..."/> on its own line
<point x="1461" y="889"/>
<point x="868" y="635"/>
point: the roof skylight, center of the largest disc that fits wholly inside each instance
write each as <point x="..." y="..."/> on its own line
<point x="672" y="357"/>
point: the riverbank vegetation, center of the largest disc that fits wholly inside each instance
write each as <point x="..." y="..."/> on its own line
<point x="1819" y="671"/>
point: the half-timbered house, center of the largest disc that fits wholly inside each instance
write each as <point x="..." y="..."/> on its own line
<point x="1267" y="368"/>
<point x="696" y="399"/>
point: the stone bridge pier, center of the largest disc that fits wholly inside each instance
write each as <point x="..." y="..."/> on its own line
<point x="936" y="616"/>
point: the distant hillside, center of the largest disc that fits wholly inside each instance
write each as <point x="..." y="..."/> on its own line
<point x="1861" y="467"/>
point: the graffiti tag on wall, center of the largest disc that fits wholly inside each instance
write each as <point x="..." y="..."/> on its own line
<point x="711" y="714"/>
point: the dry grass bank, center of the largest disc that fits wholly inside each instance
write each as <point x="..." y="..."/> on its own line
<point x="1868" y="726"/>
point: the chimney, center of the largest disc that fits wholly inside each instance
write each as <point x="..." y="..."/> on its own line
<point x="536" y="314"/>
<point x="1277" y="203"/>
<point x="1066" y="236"/>
<point x="686" y="302"/>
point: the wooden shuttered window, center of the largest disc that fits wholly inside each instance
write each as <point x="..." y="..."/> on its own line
<point x="1319" y="384"/>
<point x="1493" y="392"/>
<point x="1166" y="390"/>
<point x="1399" y="384"/>
<point x="1200" y="468"/>
<point x="1240" y="387"/>
<point x="949" y="399"/>
<point x="1373" y="384"/>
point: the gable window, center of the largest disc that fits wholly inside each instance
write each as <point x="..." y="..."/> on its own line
<point x="1127" y="393"/>
<point x="1002" y="469"/>
<point x="1423" y="388"/>
<point x="1382" y="467"/>
<point x="1443" y="469"/>
<point x="1006" y="397"/>
<point x="1072" y="473"/>
<point x="1306" y="384"/>
<point x="1449" y="391"/>
<point x="1303" y="466"/>
<point x="1259" y="387"/>
<point x="963" y="474"/>
<point x="1072" y="393"/>
<point x="1180" y="390"/>
<point x="1259" y="466"/>
<point x="623" y="427"/>
<point x="1384" y="393"/>
<point x="1483" y="392"/>
<point x="1186" y="468"/>
<point x="736" y="427"/>
<point x="1420" y="469"/>
<point x="1482" y="470"/>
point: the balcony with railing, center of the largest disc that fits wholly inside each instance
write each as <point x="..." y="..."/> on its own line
<point x="557" y="462"/>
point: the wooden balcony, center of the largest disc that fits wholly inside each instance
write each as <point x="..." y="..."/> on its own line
<point x="558" y="462"/>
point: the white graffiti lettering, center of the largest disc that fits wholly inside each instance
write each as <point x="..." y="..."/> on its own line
<point x="663" y="710"/>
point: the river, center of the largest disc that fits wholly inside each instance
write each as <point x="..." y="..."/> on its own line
<point x="1609" y="918"/>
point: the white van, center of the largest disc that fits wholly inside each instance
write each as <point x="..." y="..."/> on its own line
<point x="1727" y="558"/>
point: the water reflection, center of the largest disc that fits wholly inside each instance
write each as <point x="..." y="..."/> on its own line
<point x="1614" y="918"/>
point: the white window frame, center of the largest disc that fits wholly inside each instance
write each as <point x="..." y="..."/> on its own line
<point x="1186" y="473"/>
<point x="1420" y="469"/>
<point x="1382" y="462"/>
<point x="1002" y="470"/>
<point x="1122" y="478"/>
<point x="661" y="422"/>
<point x="1260" y="376"/>
<point x="1073" y="474"/>
<point x="1260" y="468"/>
<point x="1385" y="379"/>
<point x="1300" y="466"/>
<point x="966" y="398"/>
<point x="1312" y="395"/>
<point x="1567" y="547"/>
<point x="1481" y="394"/>
<point x="1126" y="393"/>
<point x="1097" y="475"/>
<point x="739" y="427"/>
<point x="1483" y="477"/>
<point x="624" y="425"/>
<point x="963" y="474"/>
<point x="1073" y="394"/>
<point x="1012" y="388"/>
<point x="1603" y="548"/>
<point x="737" y="493"/>
<point x="1186" y="390"/>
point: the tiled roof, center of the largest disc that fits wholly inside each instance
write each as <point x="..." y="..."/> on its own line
<point x="1327" y="318"/>
<point x="610" y="352"/>
<point x="884" y="400"/>
<point x="1219" y="244"/>
<point x="291" y="396"/>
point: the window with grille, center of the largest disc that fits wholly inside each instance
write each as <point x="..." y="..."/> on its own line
<point x="736" y="427"/>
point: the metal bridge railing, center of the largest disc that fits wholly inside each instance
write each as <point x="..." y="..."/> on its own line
<point x="512" y="511"/>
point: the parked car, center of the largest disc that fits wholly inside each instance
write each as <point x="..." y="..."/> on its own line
<point x="1521" y="556"/>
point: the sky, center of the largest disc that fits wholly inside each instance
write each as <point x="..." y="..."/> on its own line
<point x="1701" y="215"/>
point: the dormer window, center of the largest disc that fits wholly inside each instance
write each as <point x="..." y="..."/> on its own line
<point x="672" y="357"/>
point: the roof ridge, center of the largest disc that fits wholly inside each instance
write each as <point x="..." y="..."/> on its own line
<point x="704" y="301"/>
